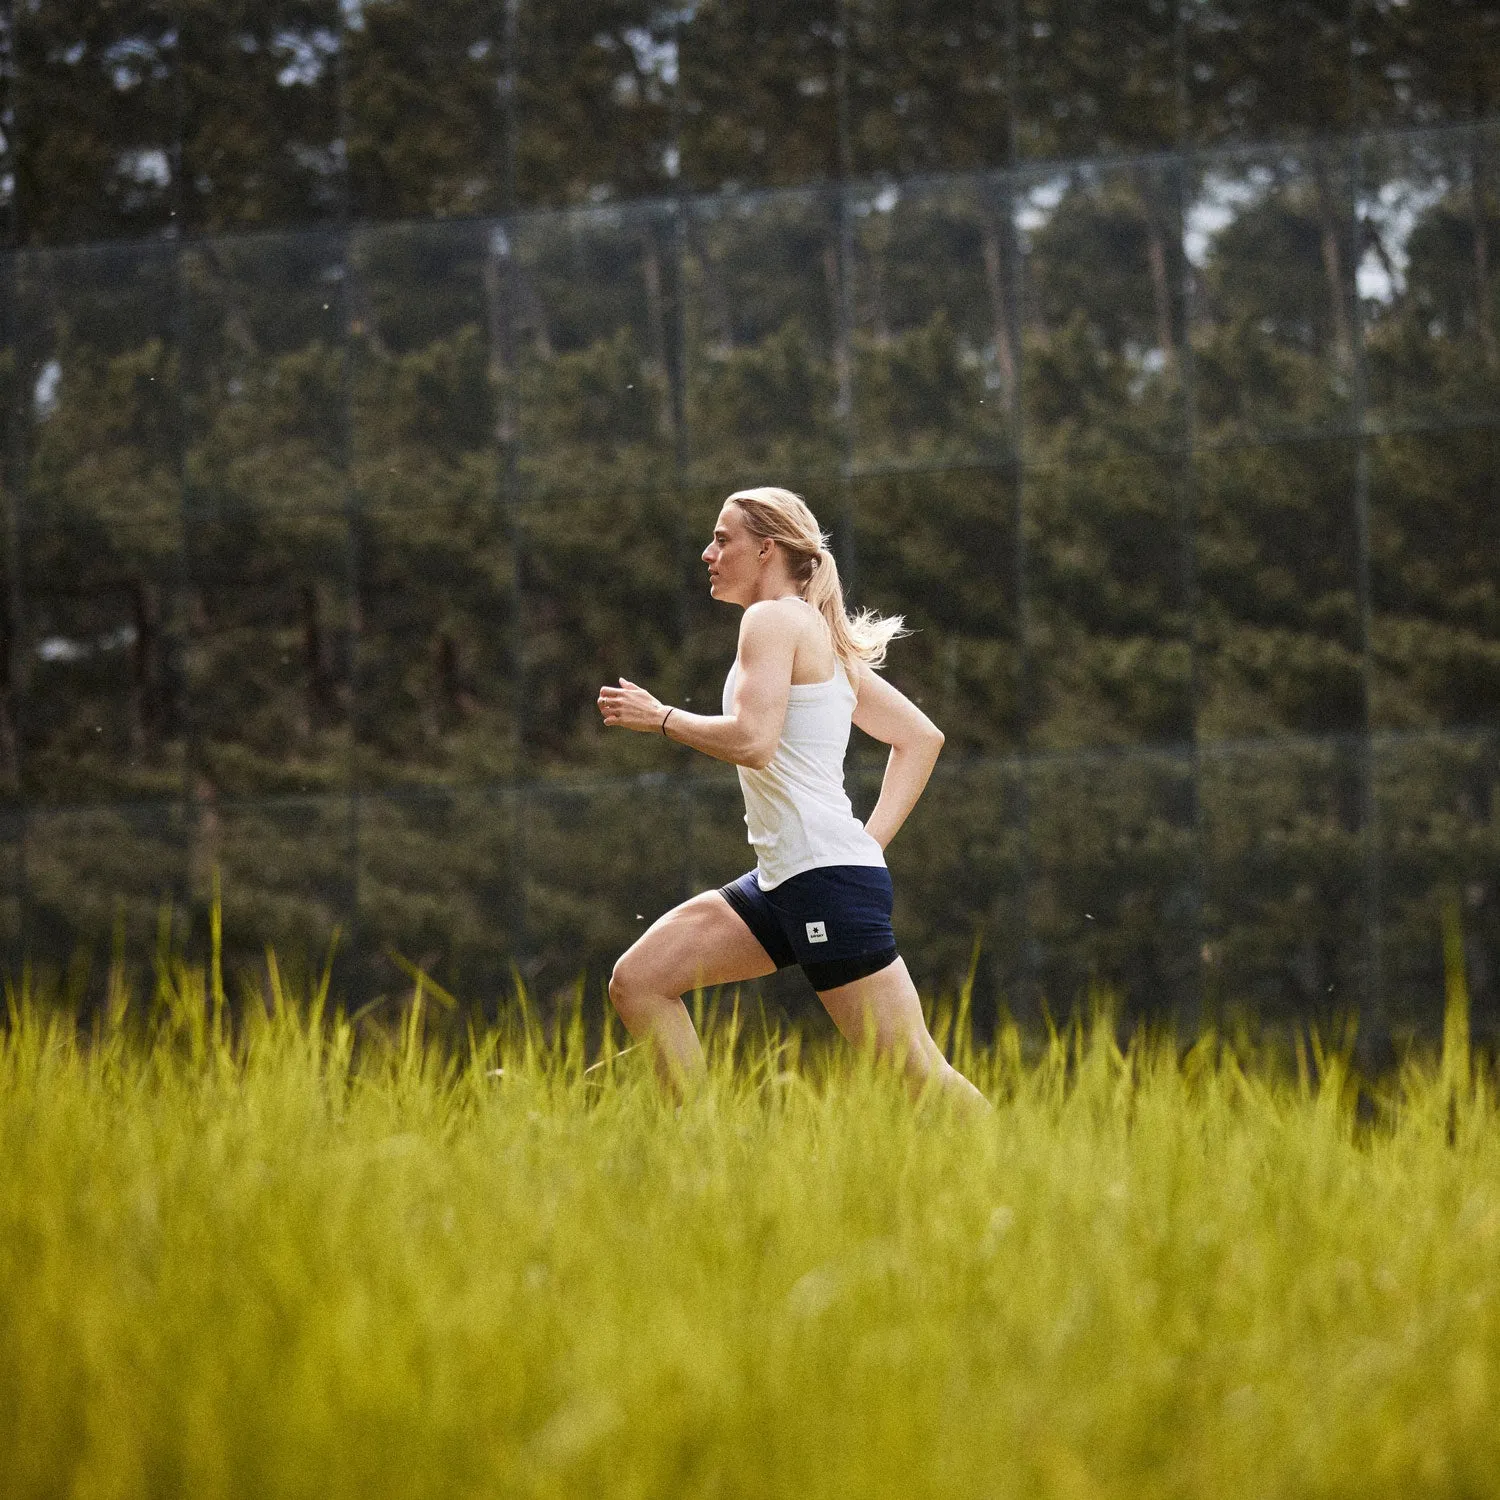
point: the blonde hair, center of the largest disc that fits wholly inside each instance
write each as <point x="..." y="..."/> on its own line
<point x="779" y="516"/>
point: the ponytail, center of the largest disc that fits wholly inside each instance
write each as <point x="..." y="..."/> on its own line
<point x="782" y="517"/>
<point x="861" y="637"/>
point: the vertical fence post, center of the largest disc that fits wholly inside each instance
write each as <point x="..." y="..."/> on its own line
<point x="1015" y="333"/>
<point x="350" y="500"/>
<point x="499" y="296"/>
<point x="843" y="309"/>
<point x="1374" y="996"/>
<point x="13" y="664"/>
<point x="179" y="583"/>
<point x="1182" y="166"/>
<point x="10" y="469"/>
<point x="675" y="353"/>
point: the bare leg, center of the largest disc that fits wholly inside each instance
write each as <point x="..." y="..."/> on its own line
<point x="884" y="1007"/>
<point x="701" y="943"/>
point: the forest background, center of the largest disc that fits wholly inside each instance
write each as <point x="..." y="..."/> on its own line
<point x="372" y="373"/>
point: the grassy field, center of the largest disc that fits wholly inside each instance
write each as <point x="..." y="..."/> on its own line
<point x="304" y="1256"/>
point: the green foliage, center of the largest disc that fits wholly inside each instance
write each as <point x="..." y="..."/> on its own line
<point x="314" y="534"/>
<point x="596" y="416"/>
<point x="425" y="97"/>
<point x="920" y="396"/>
<point x="405" y="562"/>
<point x="130" y="119"/>
<point x="770" y="405"/>
<point x="1277" y="563"/>
<point x="927" y="87"/>
<point x="759" y="93"/>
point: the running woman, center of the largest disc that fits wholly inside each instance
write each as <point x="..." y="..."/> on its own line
<point x="820" y="895"/>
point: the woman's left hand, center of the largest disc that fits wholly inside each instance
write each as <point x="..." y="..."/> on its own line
<point x="631" y="707"/>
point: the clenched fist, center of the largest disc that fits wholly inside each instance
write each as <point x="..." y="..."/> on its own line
<point x="631" y="707"/>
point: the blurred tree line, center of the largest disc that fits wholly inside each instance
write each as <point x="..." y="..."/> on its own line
<point x="129" y="117"/>
<point x="1162" y="404"/>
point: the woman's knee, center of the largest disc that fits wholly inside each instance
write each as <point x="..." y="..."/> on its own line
<point x="626" y="990"/>
<point x="635" y="987"/>
<point x="913" y="1051"/>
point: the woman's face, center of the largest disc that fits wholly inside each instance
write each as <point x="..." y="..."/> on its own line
<point x="733" y="557"/>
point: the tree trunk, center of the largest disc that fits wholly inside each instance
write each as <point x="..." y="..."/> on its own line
<point x="656" y="318"/>
<point x="880" y="315"/>
<point x="1156" y="259"/>
<point x="1328" y="234"/>
<point x="843" y="366"/>
<point x="10" y="761"/>
<point x="715" y="299"/>
<point x="143" y="675"/>
<point x="1483" y="303"/>
<point x="994" y="280"/>
<point x="497" y="307"/>
<point x="318" y="658"/>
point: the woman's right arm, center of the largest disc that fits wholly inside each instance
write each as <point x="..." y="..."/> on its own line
<point x="749" y="733"/>
<point x="887" y="714"/>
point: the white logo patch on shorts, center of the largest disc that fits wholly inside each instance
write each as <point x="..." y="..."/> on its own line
<point x="817" y="932"/>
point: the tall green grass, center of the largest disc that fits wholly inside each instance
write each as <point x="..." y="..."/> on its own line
<point x="299" y="1254"/>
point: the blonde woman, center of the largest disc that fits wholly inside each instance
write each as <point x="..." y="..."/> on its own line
<point x="820" y="895"/>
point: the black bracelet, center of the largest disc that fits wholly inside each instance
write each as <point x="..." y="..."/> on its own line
<point x="664" y="719"/>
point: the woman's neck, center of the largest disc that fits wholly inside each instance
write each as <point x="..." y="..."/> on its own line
<point x="781" y="589"/>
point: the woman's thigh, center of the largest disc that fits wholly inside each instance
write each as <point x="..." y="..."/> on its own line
<point x="697" y="945"/>
<point x="883" y="1007"/>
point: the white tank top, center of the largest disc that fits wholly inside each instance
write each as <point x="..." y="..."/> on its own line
<point x="796" y="809"/>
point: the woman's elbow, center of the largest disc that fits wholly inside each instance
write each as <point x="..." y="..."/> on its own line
<point x="753" y="751"/>
<point x="923" y="744"/>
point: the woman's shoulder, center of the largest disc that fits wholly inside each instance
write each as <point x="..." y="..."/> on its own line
<point x="788" y="605"/>
<point x="788" y="616"/>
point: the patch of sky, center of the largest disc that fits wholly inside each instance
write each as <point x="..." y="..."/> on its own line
<point x="147" y="166"/>
<point x="133" y="60"/>
<point x="62" y="648"/>
<point x="305" y="55"/>
<point x="1147" y="364"/>
<point x="320" y="161"/>
<point x="44" y="394"/>
<point x="1220" y="199"/>
<point x="1390" y="215"/>
<point x="881" y="201"/>
<point x="1036" y="205"/>
<point x="655" y="55"/>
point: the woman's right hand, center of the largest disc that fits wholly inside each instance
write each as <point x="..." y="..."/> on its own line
<point x="631" y="707"/>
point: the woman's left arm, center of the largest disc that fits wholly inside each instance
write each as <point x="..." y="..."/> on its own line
<point x="887" y="714"/>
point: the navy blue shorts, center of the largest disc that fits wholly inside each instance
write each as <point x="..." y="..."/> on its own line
<point x="834" y="921"/>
